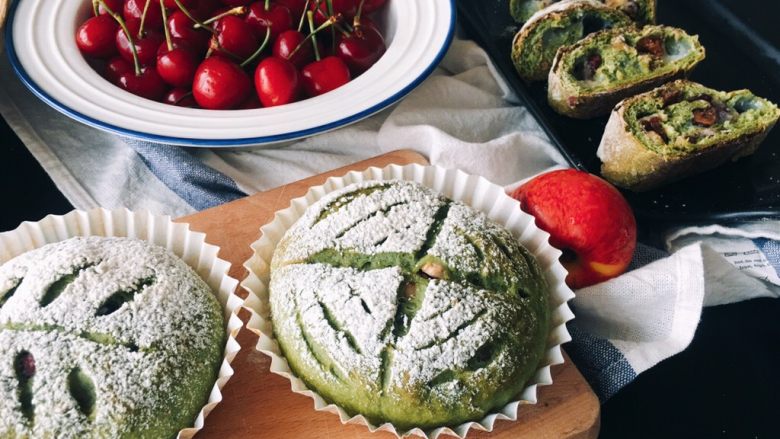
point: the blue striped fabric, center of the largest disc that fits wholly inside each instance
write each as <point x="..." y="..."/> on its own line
<point x="771" y="250"/>
<point x="600" y="362"/>
<point x="197" y="184"/>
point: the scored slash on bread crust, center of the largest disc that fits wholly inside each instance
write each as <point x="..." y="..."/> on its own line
<point x="625" y="67"/>
<point x="365" y="320"/>
<point x="658" y="155"/>
<point x="118" y="337"/>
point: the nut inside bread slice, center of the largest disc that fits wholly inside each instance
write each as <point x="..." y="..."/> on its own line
<point x="590" y="76"/>
<point x="680" y="129"/>
<point x="535" y="45"/>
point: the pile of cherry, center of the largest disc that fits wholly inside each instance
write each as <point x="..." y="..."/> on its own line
<point x="204" y="53"/>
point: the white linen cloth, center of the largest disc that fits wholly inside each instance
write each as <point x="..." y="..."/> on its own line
<point x="464" y="116"/>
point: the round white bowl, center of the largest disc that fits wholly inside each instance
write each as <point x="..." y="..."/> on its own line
<point x="41" y="47"/>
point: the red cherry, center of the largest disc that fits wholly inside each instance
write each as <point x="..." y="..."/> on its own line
<point x="135" y="9"/>
<point x="286" y="44"/>
<point x="370" y="6"/>
<point x="95" y="37"/>
<point x="220" y="84"/>
<point x="361" y="49"/>
<point x="177" y="66"/>
<point x="115" y="67"/>
<point x="277" y="82"/>
<point x="234" y="3"/>
<point x="146" y="47"/>
<point x="180" y="26"/>
<point x="235" y="37"/>
<point x="250" y="103"/>
<point x="180" y="97"/>
<point x="114" y="5"/>
<point x="206" y="9"/>
<point x="347" y="8"/>
<point x="296" y="7"/>
<point x="325" y="75"/>
<point x="189" y="4"/>
<point x="277" y="18"/>
<point x="148" y="84"/>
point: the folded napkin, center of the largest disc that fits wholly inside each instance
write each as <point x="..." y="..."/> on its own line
<point x="464" y="116"/>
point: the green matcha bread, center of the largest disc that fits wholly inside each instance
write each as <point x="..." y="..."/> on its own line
<point x="561" y="24"/>
<point x="681" y="129"/>
<point x="590" y="76"/>
<point x="398" y="304"/>
<point x="104" y="338"/>
<point x="641" y="11"/>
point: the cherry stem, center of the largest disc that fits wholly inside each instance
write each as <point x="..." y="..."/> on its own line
<point x="312" y="35"/>
<point x="185" y="95"/>
<point x="238" y="10"/>
<point x="356" y="20"/>
<point x="267" y="5"/>
<point x="303" y="16"/>
<point x="340" y="27"/>
<point x="193" y="19"/>
<point x="260" y="49"/>
<point x="332" y="30"/>
<point x="95" y="8"/>
<point x="143" y="19"/>
<point x="121" y="21"/>
<point x="168" y="41"/>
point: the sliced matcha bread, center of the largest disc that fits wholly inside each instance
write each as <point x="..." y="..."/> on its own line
<point x="641" y="11"/>
<point x="104" y="338"/>
<point x="398" y="304"/>
<point x="535" y="45"/>
<point x="590" y="76"/>
<point x="681" y="129"/>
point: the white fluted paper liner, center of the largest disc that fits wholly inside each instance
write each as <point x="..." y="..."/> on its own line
<point x="160" y="230"/>
<point x="457" y="185"/>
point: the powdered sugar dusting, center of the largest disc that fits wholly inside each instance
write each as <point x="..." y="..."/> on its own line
<point x="316" y="289"/>
<point x="132" y="317"/>
<point x="361" y="314"/>
<point x="395" y="219"/>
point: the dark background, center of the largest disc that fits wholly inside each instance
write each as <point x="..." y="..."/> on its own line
<point x="725" y="385"/>
<point x="741" y="52"/>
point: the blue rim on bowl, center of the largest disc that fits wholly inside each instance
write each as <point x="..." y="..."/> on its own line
<point x="36" y="89"/>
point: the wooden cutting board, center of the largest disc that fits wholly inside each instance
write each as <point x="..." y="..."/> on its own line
<point x="258" y="403"/>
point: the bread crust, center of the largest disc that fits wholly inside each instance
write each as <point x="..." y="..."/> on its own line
<point x="568" y="101"/>
<point x="552" y="12"/>
<point x="591" y="105"/>
<point x="627" y="163"/>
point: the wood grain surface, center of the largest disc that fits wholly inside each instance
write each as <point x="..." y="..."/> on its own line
<point x="258" y="403"/>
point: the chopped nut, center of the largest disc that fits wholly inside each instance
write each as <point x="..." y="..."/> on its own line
<point x="433" y="270"/>
<point x="410" y="290"/>
<point x="671" y="96"/>
<point x="653" y="125"/>
<point x="651" y="44"/>
<point x="631" y="9"/>
<point x="701" y="97"/>
<point x="25" y="365"/>
<point x="587" y="69"/>
<point x="705" y="117"/>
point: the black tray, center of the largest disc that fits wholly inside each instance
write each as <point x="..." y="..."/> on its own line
<point x="742" y="39"/>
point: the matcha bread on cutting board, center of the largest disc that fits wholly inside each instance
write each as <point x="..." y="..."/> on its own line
<point x="641" y="11"/>
<point x="590" y="76"/>
<point x="564" y="23"/>
<point x="396" y="303"/>
<point x="681" y="129"/>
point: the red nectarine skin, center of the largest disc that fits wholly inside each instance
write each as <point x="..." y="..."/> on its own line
<point x="587" y="218"/>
